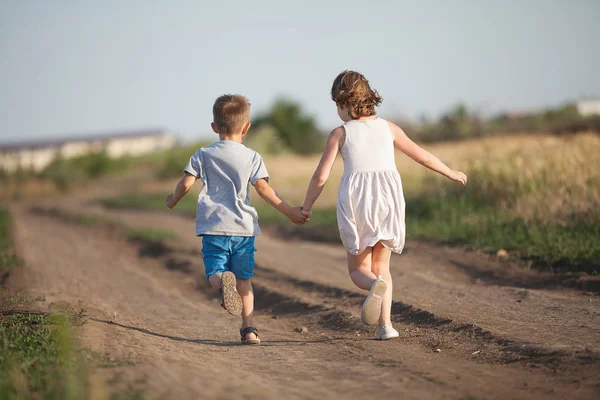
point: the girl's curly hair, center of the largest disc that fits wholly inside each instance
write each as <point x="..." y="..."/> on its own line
<point x="351" y="89"/>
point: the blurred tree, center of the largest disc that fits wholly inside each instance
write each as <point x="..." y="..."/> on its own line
<point x="457" y="123"/>
<point x="296" y="130"/>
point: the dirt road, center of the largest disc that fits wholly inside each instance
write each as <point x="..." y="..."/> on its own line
<point x="502" y="332"/>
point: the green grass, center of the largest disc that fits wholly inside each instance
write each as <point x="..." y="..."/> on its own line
<point x="460" y="220"/>
<point x="37" y="358"/>
<point x="154" y="201"/>
<point x="150" y="235"/>
<point x="19" y="300"/>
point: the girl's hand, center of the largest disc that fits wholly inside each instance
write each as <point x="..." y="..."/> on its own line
<point x="458" y="177"/>
<point x="307" y="213"/>
<point x="296" y="216"/>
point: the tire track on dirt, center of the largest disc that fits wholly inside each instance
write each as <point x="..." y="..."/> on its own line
<point x="500" y="298"/>
<point x="327" y="308"/>
<point x="333" y="308"/>
<point x="180" y="345"/>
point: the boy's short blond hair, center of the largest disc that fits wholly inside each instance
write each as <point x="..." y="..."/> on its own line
<point x="230" y="113"/>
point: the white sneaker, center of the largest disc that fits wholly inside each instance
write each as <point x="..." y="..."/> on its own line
<point x="371" y="309"/>
<point x="387" y="332"/>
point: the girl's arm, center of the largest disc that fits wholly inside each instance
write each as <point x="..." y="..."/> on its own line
<point x="319" y="178"/>
<point x="183" y="186"/>
<point x="422" y="156"/>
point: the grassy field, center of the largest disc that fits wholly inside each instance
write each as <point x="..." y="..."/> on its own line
<point x="38" y="355"/>
<point x="538" y="197"/>
<point x="543" y="205"/>
<point x="37" y="358"/>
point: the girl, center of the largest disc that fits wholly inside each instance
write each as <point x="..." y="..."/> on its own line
<point x="370" y="206"/>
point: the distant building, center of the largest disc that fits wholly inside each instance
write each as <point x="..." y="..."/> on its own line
<point x="587" y="107"/>
<point x="37" y="155"/>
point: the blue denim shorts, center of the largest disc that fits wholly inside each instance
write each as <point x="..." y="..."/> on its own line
<point x="228" y="253"/>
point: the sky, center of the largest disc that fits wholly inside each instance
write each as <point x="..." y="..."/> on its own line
<point x="77" y="67"/>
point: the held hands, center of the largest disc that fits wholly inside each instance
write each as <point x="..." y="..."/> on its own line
<point x="297" y="216"/>
<point x="307" y="213"/>
<point x="458" y="177"/>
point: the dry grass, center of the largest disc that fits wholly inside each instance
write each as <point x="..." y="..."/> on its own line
<point x="550" y="182"/>
<point x="569" y="162"/>
<point x="541" y="201"/>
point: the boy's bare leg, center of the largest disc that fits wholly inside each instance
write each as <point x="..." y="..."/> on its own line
<point x="381" y="267"/>
<point x="244" y="288"/>
<point x="215" y="280"/>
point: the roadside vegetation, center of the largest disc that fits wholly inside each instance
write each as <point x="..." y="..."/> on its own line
<point x="542" y="207"/>
<point x="39" y="357"/>
<point x="539" y="200"/>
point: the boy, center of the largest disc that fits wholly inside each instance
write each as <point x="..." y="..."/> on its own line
<point x="225" y="219"/>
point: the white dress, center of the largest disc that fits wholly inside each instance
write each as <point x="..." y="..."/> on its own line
<point x="370" y="205"/>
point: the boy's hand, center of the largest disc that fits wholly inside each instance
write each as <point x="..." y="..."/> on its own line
<point x="170" y="201"/>
<point x="458" y="177"/>
<point x="307" y="213"/>
<point x="296" y="216"/>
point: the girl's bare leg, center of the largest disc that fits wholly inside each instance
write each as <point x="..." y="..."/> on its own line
<point x="359" y="268"/>
<point x="380" y="266"/>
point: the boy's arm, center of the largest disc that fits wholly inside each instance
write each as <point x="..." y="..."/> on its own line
<point x="183" y="186"/>
<point x="422" y="156"/>
<point x="269" y="195"/>
<point x="319" y="178"/>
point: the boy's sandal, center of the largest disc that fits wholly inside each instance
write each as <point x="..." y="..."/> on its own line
<point x="246" y="331"/>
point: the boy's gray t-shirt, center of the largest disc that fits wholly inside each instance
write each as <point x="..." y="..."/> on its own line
<point x="226" y="168"/>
